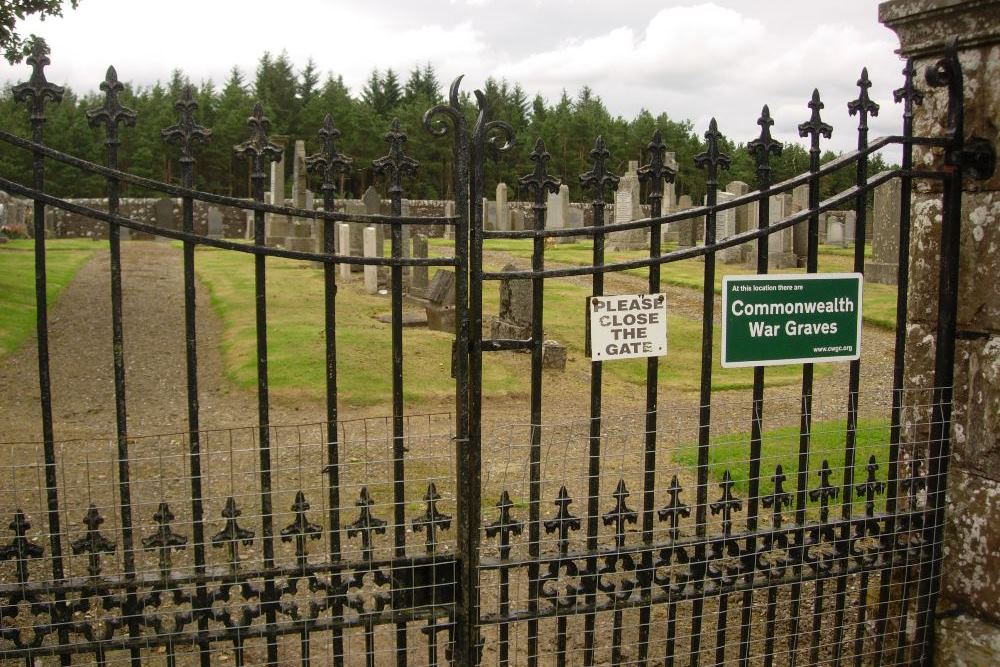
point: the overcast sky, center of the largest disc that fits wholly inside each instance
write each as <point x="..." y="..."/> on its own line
<point x="691" y="59"/>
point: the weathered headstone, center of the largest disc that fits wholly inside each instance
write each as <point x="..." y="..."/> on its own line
<point x="800" y="232"/>
<point x="449" y="210"/>
<point x="553" y="355"/>
<point x="517" y="219"/>
<point x="215" y="228"/>
<point x="514" y="320"/>
<point x="371" y="271"/>
<point x="627" y="208"/>
<point x="299" y="175"/>
<point x="850" y="225"/>
<point x="884" y="264"/>
<point x="441" y="302"/>
<point x="163" y="214"/>
<point x="669" y="203"/>
<point x="835" y="231"/>
<point x="503" y="211"/>
<point x="780" y="245"/>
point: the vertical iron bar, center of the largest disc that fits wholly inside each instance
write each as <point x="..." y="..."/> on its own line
<point x="946" y="72"/>
<point x="187" y="130"/>
<point x="863" y="106"/>
<point x="762" y="148"/>
<point x="260" y="151"/>
<point x="35" y="92"/>
<point x="711" y="159"/>
<point x="656" y="173"/>
<point x="813" y="128"/>
<point x="540" y="182"/>
<point x="110" y="115"/>
<point x="598" y="179"/>
<point x="398" y="448"/>
<point x="909" y="96"/>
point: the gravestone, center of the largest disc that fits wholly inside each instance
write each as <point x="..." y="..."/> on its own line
<point x="627" y="208"/>
<point x="780" y="245"/>
<point x="835" y="231"/>
<point x="800" y="233"/>
<point x="884" y="263"/>
<point x="553" y="355"/>
<point x="725" y="226"/>
<point x="418" y="281"/>
<point x="344" y="241"/>
<point x="850" y="226"/>
<point x="745" y="217"/>
<point x="449" y="210"/>
<point x="441" y="302"/>
<point x="686" y="234"/>
<point x="558" y="213"/>
<point x="517" y="220"/>
<point x="215" y="227"/>
<point x="669" y="202"/>
<point x="299" y="176"/>
<point x="514" y="320"/>
<point x="489" y="215"/>
<point x="371" y="271"/>
<point x="163" y="214"/>
<point x="503" y="211"/>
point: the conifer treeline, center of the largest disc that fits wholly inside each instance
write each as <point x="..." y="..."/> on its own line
<point x="296" y="100"/>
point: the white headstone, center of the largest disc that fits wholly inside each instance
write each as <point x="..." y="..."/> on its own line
<point x="344" y="241"/>
<point x="371" y="272"/>
<point x="503" y="212"/>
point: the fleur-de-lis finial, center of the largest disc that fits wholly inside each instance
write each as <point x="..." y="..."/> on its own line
<point x="711" y="159"/>
<point x="864" y="105"/>
<point x="258" y="149"/>
<point x="778" y="498"/>
<point x="300" y="528"/>
<point x="909" y="94"/>
<point x="37" y="89"/>
<point x="328" y="162"/>
<point x="232" y="533"/>
<point x="599" y="180"/>
<point x="164" y="538"/>
<point x="431" y="519"/>
<point x="366" y="524"/>
<point x="657" y="171"/>
<point x="539" y="181"/>
<point x="726" y="503"/>
<point x="396" y="163"/>
<point x="20" y="547"/>
<point x="505" y="525"/>
<point x="815" y="127"/>
<point x="765" y="145"/>
<point x="563" y="521"/>
<point x="674" y="509"/>
<point x="93" y="543"/>
<point x="871" y="487"/>
<point x="825" y="492"/>
<point x="620" y="514"/>
<point x="187" y="130"/>
<point x="111" y="113"/>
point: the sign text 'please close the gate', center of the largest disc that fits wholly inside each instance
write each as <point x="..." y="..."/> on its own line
<point x="627" y="326"/>
<point x="791" y="319"/>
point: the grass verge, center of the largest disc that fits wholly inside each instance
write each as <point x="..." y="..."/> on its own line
<point x="63" y="258"/>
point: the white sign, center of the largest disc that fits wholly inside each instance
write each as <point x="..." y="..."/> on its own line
<point x="628" y="326"/>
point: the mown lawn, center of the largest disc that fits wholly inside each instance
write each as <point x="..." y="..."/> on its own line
<point x="296" y="339"/>
<point x="780" y="446"/>
<point x="879" y="300"/>
<point x="63" y="258"/>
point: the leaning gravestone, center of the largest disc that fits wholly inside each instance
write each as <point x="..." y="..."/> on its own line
<point x="884" y="264"/>
<point x="514" y="320"/>
<point x="441" y="302"/>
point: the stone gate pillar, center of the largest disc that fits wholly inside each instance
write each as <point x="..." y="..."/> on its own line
<point x="968" y="613"/>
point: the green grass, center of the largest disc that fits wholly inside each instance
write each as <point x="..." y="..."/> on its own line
<point x="780" y="446"/>
<point x="296" y="347"/>
<point x="879" y="300"/>
<point x="63" y="258"/>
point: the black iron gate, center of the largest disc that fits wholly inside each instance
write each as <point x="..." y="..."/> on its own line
<point x="820" y="565"/>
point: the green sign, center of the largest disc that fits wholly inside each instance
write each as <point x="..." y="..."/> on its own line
<point x="791" y="319"/>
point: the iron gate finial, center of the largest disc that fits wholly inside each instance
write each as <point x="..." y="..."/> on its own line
<point x="112" y="112"/>
<point x="765" y="145"/>
<point x="37" y="89"/>
<point x="599" y="180"/>
<point x="328" y="162"/>
<point x="187" y="130"/>
<point x="656" y="171"/>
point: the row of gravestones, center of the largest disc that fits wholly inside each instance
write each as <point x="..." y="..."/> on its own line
<point x="787" y="248"/>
